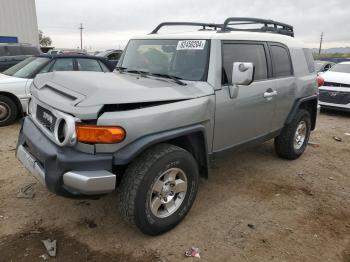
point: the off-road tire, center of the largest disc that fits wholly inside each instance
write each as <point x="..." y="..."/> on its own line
<point x="12" y="111"/>
<point x="284" y="143"/>
<point x="136" y="187"/>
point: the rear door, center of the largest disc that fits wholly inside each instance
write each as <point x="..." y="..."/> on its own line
<point x="285" y="84"/>
<point x="248" y="115"/>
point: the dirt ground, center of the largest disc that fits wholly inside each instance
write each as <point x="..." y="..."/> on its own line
<point x="296" y="210"/>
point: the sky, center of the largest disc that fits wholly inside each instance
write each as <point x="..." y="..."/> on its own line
<point x="111" y="23"/>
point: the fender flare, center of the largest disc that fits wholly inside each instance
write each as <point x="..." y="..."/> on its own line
<point x="297" y="105"/>
<point x="126" y="154"/>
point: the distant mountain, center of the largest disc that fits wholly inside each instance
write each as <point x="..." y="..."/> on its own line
<point x="339" y="50"/>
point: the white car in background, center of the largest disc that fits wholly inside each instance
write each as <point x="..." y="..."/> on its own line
<point x="334" y="90"/>
<point x="15" y="81"/>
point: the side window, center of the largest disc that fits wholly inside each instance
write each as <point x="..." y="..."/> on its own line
<point x="30" y="50"/>
<point x="104" y="67"/>
<point x="88" y="65"/>
<point x="327" y="67"/>
<point x="309" y="60"/>
<point x="114" y="56"/>
<point x="46" y="68"/>
<point x="253" y="53"/>
<point x="63" y="64"/>
<point x="14" y="50"/>
<point x="281" y="61"/>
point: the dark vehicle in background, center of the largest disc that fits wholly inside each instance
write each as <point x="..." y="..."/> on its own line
<point x="15" y="81"/>
<point x="323" y="66"/>
<point x="112" y="55"/>
<point x="11" y="54"/>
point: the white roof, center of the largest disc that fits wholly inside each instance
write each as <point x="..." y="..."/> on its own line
<point x="345" y="63"/>
<point x="232" y="35"/>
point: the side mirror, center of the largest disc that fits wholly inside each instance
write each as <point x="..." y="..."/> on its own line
<point x="242" y="73"/>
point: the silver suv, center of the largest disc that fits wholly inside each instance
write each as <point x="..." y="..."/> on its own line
<point x="175" y="102"/>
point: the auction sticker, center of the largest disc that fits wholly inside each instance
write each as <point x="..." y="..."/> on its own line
<point x="190" y="45"/>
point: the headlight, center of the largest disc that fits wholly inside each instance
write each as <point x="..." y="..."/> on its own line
<point x="64" y="132"/>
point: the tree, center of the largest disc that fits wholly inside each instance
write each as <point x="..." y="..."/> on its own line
<point x="44" y="40"/>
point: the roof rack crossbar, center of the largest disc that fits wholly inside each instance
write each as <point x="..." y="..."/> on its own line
<point x="268" y="25"/>
<point x="203" y="25"/>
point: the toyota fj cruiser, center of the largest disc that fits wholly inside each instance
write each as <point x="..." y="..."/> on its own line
<point x="176" y="101"/>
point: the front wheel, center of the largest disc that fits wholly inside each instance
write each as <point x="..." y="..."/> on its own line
<point x="292" y="141"/>
<point x="159" y="188"/>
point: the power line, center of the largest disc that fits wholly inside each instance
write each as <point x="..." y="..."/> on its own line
<point x="81" y="28"/>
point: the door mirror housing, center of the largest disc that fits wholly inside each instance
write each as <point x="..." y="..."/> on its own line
<point x="242" y="73"/>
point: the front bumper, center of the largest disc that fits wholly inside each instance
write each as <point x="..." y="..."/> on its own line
<point x="334" y="98"/>
<point x="64" y="170"/>
<point x="333" y="106"/>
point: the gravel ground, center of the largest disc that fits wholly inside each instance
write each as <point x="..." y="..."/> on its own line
<point x="253" y="207"/>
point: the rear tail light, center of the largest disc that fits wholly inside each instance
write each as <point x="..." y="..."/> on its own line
<point x="320" y="81"/>
<point x="100" y="134"/>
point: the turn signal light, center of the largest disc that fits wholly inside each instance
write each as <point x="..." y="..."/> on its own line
<point x="320" y="81"/>
<point x="100" y="134"/>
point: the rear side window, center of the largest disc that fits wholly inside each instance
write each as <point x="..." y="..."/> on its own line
<point x="3" y="52"/>
<point x="282" y="66"/>
<point x="63" y="64"/>
<point x="252" y="53"/>
<point x="30" y="50"/>
<point x="309" y="60"/>
<point x="14" y="50"/>
<point x="88" y="65"/>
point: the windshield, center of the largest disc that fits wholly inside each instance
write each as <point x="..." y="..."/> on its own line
<point x="183" y="59"/>
<point x="341" y="68"/>
<point x="27" y="67"/>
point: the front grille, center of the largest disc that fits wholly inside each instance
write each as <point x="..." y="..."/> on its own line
<point x="334" y="97"/>
<point x="46" y="118"/>
<point x="336" y="84"/>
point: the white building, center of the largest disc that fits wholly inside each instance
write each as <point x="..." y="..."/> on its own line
<point x="18" y="22"/>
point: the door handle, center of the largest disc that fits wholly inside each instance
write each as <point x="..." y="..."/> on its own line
<point x="270" y="94"/>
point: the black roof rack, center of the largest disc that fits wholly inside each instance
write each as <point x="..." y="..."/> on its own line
<point x="268" y="25"/>
<point x="230" y="24"/>
<point x="203" y="25"/>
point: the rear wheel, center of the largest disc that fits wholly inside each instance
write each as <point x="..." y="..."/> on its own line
<point x="292" y="141"/>
<point x="159" y="188"/>
<point x="8" y="111"/>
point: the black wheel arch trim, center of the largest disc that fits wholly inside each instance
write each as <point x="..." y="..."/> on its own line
<point x="298" y="104"/>
<point x="128" y="153"/>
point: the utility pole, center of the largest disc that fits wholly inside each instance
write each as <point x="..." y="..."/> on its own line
<point x="81" y="28"/>
<point x="319" y="50"/>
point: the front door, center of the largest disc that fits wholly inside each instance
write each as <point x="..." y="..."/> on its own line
<point x="248" y="115"/>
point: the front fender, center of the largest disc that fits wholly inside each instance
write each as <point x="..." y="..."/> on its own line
<point x="129" y="152"/>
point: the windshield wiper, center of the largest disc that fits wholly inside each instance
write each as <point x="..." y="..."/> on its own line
<point x="146" y="73"/>
<point x="176" y="79"/>
<point x="134" y="71"/>
<point x="121" y="69"/>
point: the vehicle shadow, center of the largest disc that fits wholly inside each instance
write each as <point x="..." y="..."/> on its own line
<point x="333" y="112"/>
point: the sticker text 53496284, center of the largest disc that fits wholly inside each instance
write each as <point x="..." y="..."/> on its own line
<point x="191" y="44"/>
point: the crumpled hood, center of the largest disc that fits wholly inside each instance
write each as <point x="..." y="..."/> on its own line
<point x="95" y="89"/>
<point x="336" y="77"/>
